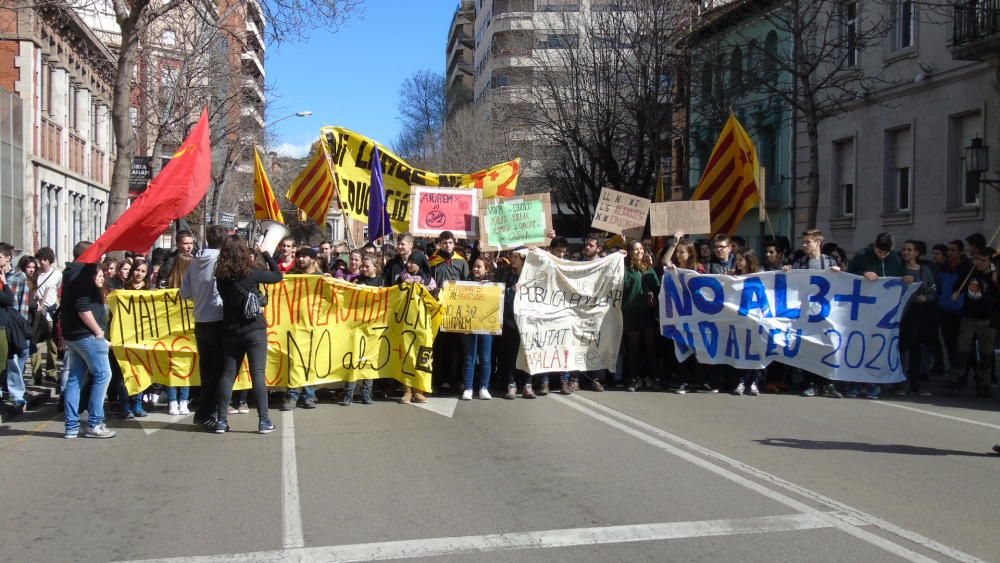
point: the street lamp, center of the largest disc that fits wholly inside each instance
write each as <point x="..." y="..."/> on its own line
<point x="239" y="155"/>
<point x="289" y="116"/>
<point x="977" y="162"/>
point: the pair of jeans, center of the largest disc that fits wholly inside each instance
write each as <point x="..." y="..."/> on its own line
<point x="15" y="375"/>
<point x="178" y="393"/>
<point x="210" y="353"/>
<point x="248" y="341"/>
<point x="478" y="346"/>
<point x="306" y="393"/>
<point x="89" y="354"/>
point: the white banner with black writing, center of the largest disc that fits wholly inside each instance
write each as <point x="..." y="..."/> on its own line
<point x="833" y="324"/>
<point x="569" y="313"/>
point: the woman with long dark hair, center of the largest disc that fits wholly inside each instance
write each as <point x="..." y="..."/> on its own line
<point x="639" y="314"/>
<point x="244" y="328"/>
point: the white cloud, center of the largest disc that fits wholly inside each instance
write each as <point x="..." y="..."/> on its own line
<point x="293" y="150"/>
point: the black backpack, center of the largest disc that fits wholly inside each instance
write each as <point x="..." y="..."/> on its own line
<point x="253" y="302"/>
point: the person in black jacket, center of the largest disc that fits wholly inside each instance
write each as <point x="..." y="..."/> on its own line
<point x="980" y="319"/>
<point x="84" y="319"/>
<point x="239" y="282"/>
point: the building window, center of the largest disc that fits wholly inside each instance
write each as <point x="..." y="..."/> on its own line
<point x="706" y="82"/>
<point x="849" y="32"/>
<point x="97" y="218"/>
<point x="902" y="175"/>
<point x="769" y="160"/>
<point x="71" y="108"/>
<point x="903" y="17"/>
<point x="962" y="192"/>
<point x="49" y="211"/>
<point x="843" y="178"/>
<point x="556" y="6"/>
<point x="78" y="217"/>
<point x="559" y="41"/>
<point x="899" y="164"/>
<point x="771" y="56"/>
<point x="847" y="200"/>
<point x="736" y="69"/>
<point x="169" y="38"/>
<point x="43" y="88"/>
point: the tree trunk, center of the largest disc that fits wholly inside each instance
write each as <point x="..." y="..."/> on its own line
<point x="121" y="119"/>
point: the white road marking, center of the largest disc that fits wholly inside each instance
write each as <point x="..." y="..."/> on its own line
<point x="444" y="406"/>
<point x="431" y="547"/>
<point x="163" y="419"/>
<point x="291" y="508"/>
<point x="937" y="414"/>
<point x="844" y="518"/>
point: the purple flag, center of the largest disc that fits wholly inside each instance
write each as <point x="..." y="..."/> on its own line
<point x="378" y="214"/>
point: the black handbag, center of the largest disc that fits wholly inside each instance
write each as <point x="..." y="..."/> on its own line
<point x="41" y="329"/>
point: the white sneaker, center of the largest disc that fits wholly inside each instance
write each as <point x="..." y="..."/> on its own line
<point x="739" y="389"/>
<point x="484" y="394"/>
<point x="753" y="389"/>
<point x="184" y="408"/>
<point x="174" y="410"/>
<point x="467" y="395"/>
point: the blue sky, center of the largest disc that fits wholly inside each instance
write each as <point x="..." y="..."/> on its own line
<point x="352" y="77"/>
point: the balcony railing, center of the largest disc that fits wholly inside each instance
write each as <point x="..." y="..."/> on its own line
<point x="975" y="21"/>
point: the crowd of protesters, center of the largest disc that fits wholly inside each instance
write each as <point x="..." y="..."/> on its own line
<point x="949" y="329"/>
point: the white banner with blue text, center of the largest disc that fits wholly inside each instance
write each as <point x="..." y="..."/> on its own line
<point x="833" y="324"/>
<point x="569" y="314"/>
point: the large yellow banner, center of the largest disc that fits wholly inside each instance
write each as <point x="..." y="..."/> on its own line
<point x="352" y="154"/>
<point x="320" y="330"/>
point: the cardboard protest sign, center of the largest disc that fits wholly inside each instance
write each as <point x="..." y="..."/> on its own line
<point x="444" y="209"/>
<point x="506" y="223"/>
<point x="692" y="217"/>
<point x="834" y="324"/>
<point x="320" y="330"/>
<point x="617" y="211"/>
<point x="569" y="313"/>
<point x="471" y="307"/>
<point x="352" y="154"/>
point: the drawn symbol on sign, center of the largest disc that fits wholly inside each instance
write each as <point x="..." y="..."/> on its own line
<point x="436" y="218"/>
<point x="424" y="356"/>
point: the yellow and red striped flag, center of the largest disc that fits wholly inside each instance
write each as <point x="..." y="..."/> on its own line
<point x="312" y="190"/>
<point x="265" y="205"/>
<point x="730" y="179"/>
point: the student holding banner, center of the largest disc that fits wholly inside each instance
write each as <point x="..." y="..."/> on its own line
<point x="814" y="259"/>
<point x="876" y="261"/>
<point x="478" y="346"/>
<point x="510" y="340"/>
<point x="370" y="278"/>
<point x="245" y="333"/>
<point x="447" y="265"/>
<point x="417" y="271"/>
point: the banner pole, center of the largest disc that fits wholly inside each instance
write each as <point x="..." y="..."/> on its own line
<point x="973" y="268"/>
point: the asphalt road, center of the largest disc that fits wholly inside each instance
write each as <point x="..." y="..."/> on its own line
<point x="593" y="477"/>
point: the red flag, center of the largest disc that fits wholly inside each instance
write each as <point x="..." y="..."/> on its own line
<point x="173" y="194"/>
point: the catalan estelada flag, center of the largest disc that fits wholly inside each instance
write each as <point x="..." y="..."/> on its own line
<point x="312" y="190"/>
<point x="265" y="205"/>
<point x="730" y="179"/>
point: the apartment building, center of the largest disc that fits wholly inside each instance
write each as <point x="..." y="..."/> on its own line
<point x="55" y="128"/>
<point x="208" y="53"/>
<point x="897" y="160"/>
<point x="459" y="57"/>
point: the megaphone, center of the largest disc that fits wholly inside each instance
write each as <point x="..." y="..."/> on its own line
<point x="271" y="233"/>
